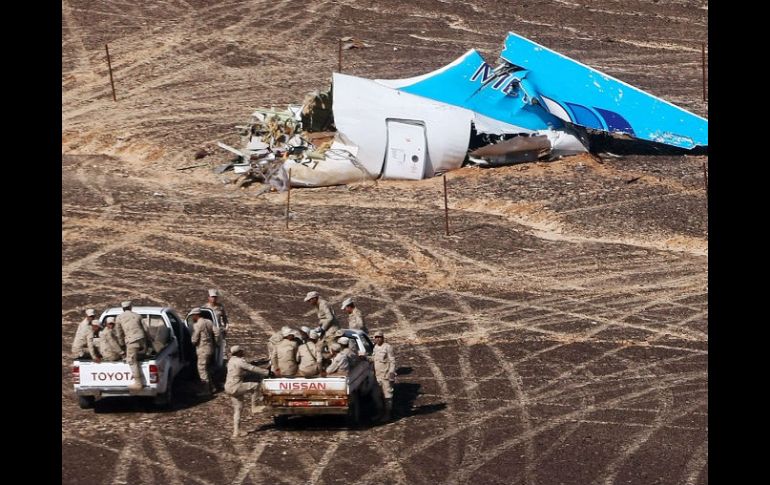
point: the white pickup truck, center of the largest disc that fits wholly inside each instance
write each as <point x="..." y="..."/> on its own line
<point x="287" y="396"/>
<point x="172" y="353"/>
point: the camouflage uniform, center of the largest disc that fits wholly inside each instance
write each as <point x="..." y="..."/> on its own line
<point x="219" y="309"/>
<point x="237" y="368"/>
<point x="79" y="345"/>
<point x="327" y="320"/>
<point x="340" y="364"/>
<point x="274" y="340"/>
<point x="308" y="359"/>
<point x="203" y="340"/>
<point x="92" y="343"/>
<point x="109" y="346"/>
<point x="285" y="358"/>
<point x="356" y="320"/>
<point x="385" y="370"/>
<point x="131" y="335"/>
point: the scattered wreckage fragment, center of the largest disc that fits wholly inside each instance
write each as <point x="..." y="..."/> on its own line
<point x="536" y="104"/>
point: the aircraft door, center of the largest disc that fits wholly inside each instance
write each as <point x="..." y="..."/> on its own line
<point x="407" y="150"/>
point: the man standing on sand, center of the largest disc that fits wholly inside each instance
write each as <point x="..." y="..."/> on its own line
<point x="203" y="340"/>
<point x="219" y="309"/>
<point x="385" y="370"/>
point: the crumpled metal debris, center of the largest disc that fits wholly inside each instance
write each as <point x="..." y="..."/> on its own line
<point x="299" y="138"/>
<point x="353" y="43"/>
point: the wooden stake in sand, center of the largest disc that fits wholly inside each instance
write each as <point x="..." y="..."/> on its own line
<point x="446" y="209"/>
<point x="109" y="67"/>
<point x="288" y="201"/>
<point x="703" y="67"/>
<point x="339" y="55"/>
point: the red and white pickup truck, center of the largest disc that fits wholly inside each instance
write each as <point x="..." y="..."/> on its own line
<point x="170" y="337"/>
<point x="287" y="396"/>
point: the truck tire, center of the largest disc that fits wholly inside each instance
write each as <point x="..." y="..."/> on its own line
<point x="86" y="402"/>
<point x="280" y="420"/>
<point x="353" y="417"/>
<point x="166" y="399"/>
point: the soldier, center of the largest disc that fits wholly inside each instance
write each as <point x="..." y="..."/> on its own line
<point x="273" y="341"/>
<point x="326" y="318"/>
<point x="340" y="363"/>
<point x="92" y="341"/>
<point x="131" y="336"/>
<point x="218" y="308"/>
<point x="308" y="357"/>
<point x="304" y="332"/>
<point x="237" y="367"/>
<point x="385" y="369"/>
<point x="355" y="317"/>
<point x="203" y="339"/>
<point x="79" y="345"/>
<point x="108" y="342"/>
<point x="348" y="345"/>
<point x="284" y="359"/>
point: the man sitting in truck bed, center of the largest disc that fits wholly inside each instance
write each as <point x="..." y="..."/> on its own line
<point x="308" y="357"/>
<point x="108" y="342"/>
<point x="92" y="341"/>
<point x="340" y="362"/>
<point x="284" y="359"/>
<point x="79" y="344"/>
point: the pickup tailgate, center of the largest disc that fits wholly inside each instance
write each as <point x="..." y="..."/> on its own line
<point x="108" y="375"/>
<point x="306" y="396"/>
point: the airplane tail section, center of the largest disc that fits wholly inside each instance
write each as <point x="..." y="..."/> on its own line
<point x="578" y="94"/>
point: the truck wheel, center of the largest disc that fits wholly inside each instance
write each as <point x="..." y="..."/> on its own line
<point x="166" y="399"/>
<point x="280" y="420"/>
<point x="86" y="402"/>
<point x="354" y="412"/>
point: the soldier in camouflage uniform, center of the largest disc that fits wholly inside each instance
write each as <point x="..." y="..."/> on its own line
<point x="92" y="341"/>
<point x="385" y="369"/>
<point x="326" y="318"/>
<point x="132" y="337"/>
<point x="79" y="345"/>
<point x="108" y="342"/>
<point x="284" y="359"/>
<point x="237" y="368"/>
<point x="355" y="317"/>
<point x="203" y="339"/>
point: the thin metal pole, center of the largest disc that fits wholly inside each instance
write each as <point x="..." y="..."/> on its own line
<point x="109" y="66"/>
<point x="703" y="67"/>
<point x="446" y="209"/>
<point x="288" y="201"/>
<point x="339" y="55"/>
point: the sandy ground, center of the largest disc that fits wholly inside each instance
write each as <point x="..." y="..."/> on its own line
<point x="558" y="335"/>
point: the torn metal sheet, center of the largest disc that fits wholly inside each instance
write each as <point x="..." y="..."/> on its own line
<point x="515" y="150"/>
<point x="362" y="109"/>
<point x="596" y="100"/>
